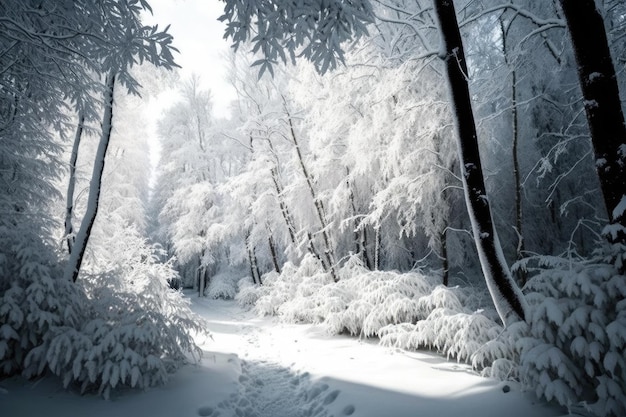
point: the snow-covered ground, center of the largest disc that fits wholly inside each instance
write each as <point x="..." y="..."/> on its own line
<point x="257" y="367"/>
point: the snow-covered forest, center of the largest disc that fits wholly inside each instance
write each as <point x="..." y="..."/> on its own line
<point x="431" y="175"/>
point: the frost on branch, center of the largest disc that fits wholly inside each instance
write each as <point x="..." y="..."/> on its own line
<point x="314" y="31"/>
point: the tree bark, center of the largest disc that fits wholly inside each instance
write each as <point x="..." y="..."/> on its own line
<point x="69" y="206"/>
<point x="272" y="245"/>
<point x="254" y="269"/>
<point x="507" y="297"/>
<point x="445" y="263"/>
<point x="359" y="233"/>
<point x="283" y="206"/>
<point x="329" y="254"/>
<point x="519" y="253"/>
<point x="201" y="272"/>
<point x="603" y="108"/>
<point x="377" y="247"/>
<point x="72" y="269"/>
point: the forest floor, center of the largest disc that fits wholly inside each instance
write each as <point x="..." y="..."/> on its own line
<point x="259" y="367"/>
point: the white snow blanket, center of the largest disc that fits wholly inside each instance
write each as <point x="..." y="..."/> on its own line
<point x="258" y="367"/>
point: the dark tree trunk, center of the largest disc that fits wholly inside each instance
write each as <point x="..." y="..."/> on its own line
<point x="377" y="247"/>
<point x="313" y="250"/>
<point x="72" y="269"/>
<point x="270" y="241"/>
<point x="445" y="263"/>
<point x="69" y="206"/>
<point x="507" y="297"/>
<point x="366" y="257"/>
<point x="201" y="278"/>
<point x="519" y="253"/>
<point x="598" y="83"/>
<point x="254" y="269"/>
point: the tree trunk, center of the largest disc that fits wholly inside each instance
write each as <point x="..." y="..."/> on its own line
<point x="366" y="257"/>
<point x="69" y="206"/>
<point x="602" y="104"/>
<point x="360" y="235"/>
<point x="201" y="271"/>
<point x="283" y="206"/>
<point x="519" y="253"/>
<point x="270" y="241"/>
<point x="319" y="206"/>
<point x="507" y="297"/>
<point x="518" y="183"/>
<point x="254" y="269"/>
<point x="377" y="244"/>
<point x="72" y="268"/>
<point x="445" y="263"/>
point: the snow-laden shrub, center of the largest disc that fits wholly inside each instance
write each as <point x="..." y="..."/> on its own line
<point x="406" y="310"/>
<point x="223" y="285"/>
<point x="33" y="305"/>
<point x="499" y="357"/>
<point x="248" y="293"/>
<point x="446" y="325"/>
<point x="292" y="288"/>
<point x="122" y="328"/>
<point x="575" y="350"/>
<point x="380" y="298"/>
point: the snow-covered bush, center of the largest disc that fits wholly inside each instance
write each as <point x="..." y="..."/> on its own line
<point x="223" y="285"/>
<point x="577" y="338"/>
<point x="407" y="310"/>
<point x="380" y="298"/>
<point x="499" y="357"/>
<point x="291" y="288"/>
<point x="34" y="303"/>
<point x="122" y="328"/>
<point x="447" y="325"/>
<point x="248" y="293"/>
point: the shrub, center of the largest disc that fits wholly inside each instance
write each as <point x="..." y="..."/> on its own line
<point x="123" y="328"/>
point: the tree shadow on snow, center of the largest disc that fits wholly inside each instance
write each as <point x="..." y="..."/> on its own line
<point x="271" y="390"/>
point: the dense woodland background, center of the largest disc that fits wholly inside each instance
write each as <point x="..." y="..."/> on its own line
<point x="332" y="194"/>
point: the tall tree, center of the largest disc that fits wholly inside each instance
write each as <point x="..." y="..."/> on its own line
<point x="71" y="185"/>
<point x="72" y="268"/>
<point x="603" y="108"/>
<point x="507" y="297"/>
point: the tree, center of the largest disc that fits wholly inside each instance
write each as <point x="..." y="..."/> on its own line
<point x="507" y="297"/>
<point x="314" y="32"/>
<point x="128" y="42"/>
<point x="603" y="108"/>
<point x="82" y="237"/>
<point x="71" y="185"/>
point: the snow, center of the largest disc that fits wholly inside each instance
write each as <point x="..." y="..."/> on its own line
<point x="620" y="209"/>
<point x="256" y="366"/>
<point x="590" y="104"/>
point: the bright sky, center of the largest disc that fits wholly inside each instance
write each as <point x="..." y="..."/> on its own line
<point x="199" y="37"/>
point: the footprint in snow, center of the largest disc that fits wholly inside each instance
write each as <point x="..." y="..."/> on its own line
<point x="208" y="412"/>
<point x="270" y="390"/>
<point x="349" y="410"/>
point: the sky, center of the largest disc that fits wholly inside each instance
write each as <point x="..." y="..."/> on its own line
<point x="199" y="37"/>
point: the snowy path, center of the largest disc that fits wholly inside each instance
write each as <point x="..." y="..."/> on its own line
<point x="256" y="367"/>
<point x="298" y="370"/>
